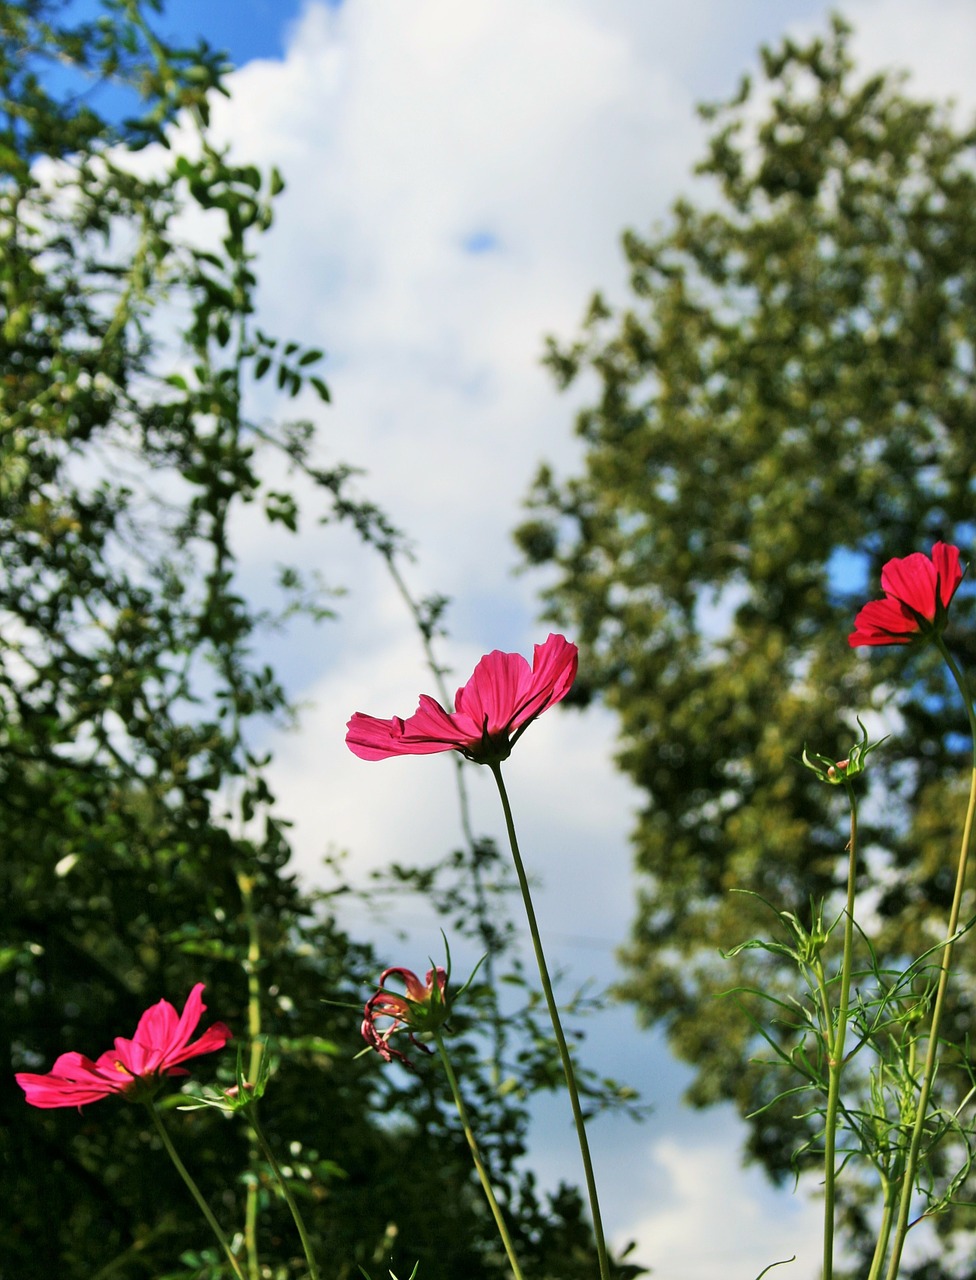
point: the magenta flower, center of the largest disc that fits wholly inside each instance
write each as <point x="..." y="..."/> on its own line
<point x="423" y="1008"/>
<point x="918" y="591"/>
<point x="161" y="1042"/>
<point x="491" y="712"/>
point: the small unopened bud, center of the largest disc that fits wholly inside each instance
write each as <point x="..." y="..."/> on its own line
<point x="838" y="771"/>
<point x="234" y="1091"/>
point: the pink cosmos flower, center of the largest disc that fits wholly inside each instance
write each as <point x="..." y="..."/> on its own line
<point x="491" y="712"/>
<point x="423" y="1008"/>
<point x="161" y="1041"/>
<point x="918" y="590"/>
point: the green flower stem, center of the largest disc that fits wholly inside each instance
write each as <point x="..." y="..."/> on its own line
<point x="246" y="885"/>
<point x="835" y="1050"/>
<point x="476" y="1157"/>
<point x="252" y="1119"/>
<point x="884" y="1233"/>
<point x="891" y="1179"/>
<point x="195" y="1192"/>
<point x="931" y="1056"/>
<point x="564" y="1055"/>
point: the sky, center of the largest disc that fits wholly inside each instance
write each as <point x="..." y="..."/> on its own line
<point x="458" y="176"/>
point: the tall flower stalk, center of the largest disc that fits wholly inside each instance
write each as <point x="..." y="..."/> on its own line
<point x="422" y="1014"/>
<point x="491" y="712"/>
<point x="252" y="1119"/>
<point x="918" y="591"/>
<point x="194" y="1190"/>
<point x="479" y="1164"/>
<point x="902" y="1223"/>
<point x="251" y="968"/>
<point x="564" y="1054"/>
<point x="836" y="1048"/>
<point x="841" y="772"/>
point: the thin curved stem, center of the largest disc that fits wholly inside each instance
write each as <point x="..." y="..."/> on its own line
<point x="884" y="1233"/>
<point x="931" y="1056"/>
<point x="246" y="885"/>
<point x="194" y="1190"/>
<point x="252" y="1119"/>
<point x="493" y="1204"/>
<point x="835" y="1050"/>
<point x="564" y="1054"/>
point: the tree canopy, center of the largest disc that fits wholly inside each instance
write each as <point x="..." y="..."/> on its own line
<point x="786" y="399"/>
<point x="141" y="848"/>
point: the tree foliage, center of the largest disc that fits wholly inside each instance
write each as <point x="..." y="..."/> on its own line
<point x="141" y="849"/>
<point x="786" y="400"/>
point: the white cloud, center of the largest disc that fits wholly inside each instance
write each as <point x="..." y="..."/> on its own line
<point x="406" y="133"/>
<point x="713" y="1218"/>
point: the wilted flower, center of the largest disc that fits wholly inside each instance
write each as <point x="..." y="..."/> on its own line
<point x="918" y="590"/>
<point x="161" y="1042"/>
<point x="492" y="711"/>
<point x="423" y="1008"/>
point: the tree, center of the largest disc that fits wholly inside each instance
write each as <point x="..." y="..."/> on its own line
<point x="787" y="399"/>
<point x="141" y="847"/>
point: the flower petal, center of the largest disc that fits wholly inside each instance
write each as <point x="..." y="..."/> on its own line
<point x="912" y="580"/>
<point x="215" y="1037"/>
<point x="157" y="1031"/>
<point x="489" y="699"/>
<point x="429" y="730"/>
<point x="505" y="692"/>
<point x="945" y="557"/>
<point x="415" y="988"/>
<point x="73" y="1081"/>
<point x="554" y="666"/>
<point x="180" y="1047"/>
<point x="883" y="622"/>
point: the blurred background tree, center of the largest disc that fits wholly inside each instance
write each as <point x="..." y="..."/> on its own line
<point x="141" y="850"/>
<point x="786" y="400"/>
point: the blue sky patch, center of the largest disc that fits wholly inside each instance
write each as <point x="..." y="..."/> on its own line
<point x="480" y="242"/>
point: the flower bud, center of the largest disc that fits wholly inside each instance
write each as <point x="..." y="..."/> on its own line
<point x="836" y="772"/>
